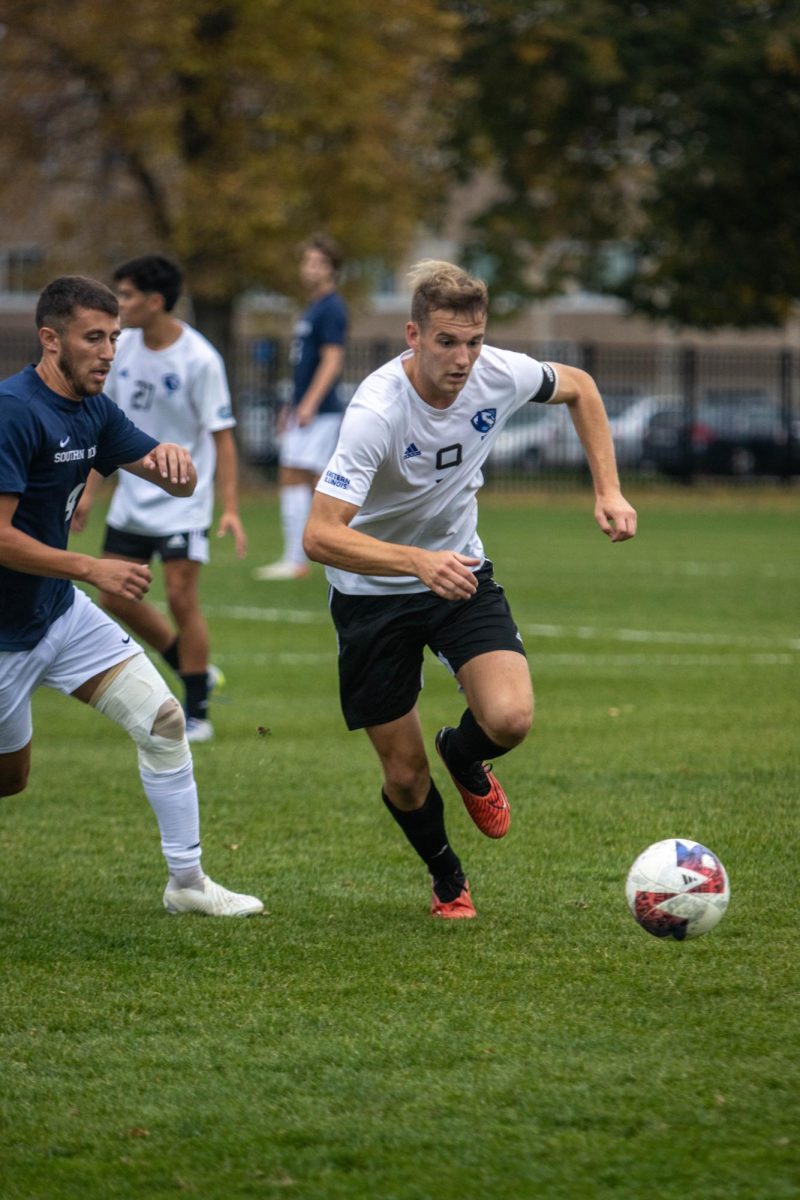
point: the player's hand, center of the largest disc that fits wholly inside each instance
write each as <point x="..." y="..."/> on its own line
<point x="616" y="517"/>
<point x="448" y="574"/>
<point x="230" y="523"/>
<point x="171" y="462"/>
<point x="120" y="578"/>
<point x="305" y="413"/>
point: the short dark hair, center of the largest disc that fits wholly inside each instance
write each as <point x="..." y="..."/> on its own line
<point x="325" y="245"/>
<point x="59" y="300"/>
<point x="153" y="273"/>
<point x="436" y="285"/>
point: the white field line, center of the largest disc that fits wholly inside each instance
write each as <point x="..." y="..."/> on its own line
<point x="581" y="633"/>
<point x="610" y="661"/>
<point x="664" y="660"/>
<point x="721" y="570"/>
<point x="658" y="637"/>
<point x="292" y="616"/>
<point x="764" y="652"/>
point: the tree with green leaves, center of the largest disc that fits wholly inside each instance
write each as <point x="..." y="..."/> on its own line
<point x="222" y="131"/>
<point x="667" y="128"/>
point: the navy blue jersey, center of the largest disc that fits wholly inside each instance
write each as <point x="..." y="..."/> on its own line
<point x="48" y="446"/>
<point x="324" y="323"/>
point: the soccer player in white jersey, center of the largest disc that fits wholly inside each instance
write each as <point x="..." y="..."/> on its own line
<point x="56" y="425"/>
<point x="394" y="519"/>
<point x="171" y="381"/>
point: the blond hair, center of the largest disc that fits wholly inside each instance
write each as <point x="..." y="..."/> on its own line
<point x="436" y="285"/>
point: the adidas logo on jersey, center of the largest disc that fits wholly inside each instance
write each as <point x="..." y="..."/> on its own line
<point x="411" y="451"/>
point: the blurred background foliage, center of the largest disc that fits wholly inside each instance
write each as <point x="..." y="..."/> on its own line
<point x="646" y="150"/>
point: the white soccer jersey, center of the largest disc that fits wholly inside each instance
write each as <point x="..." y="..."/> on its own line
<point x="181" y="395"/>
<point x="414" y="470"/>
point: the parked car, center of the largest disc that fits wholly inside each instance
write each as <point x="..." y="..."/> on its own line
<point x="630" y="427"/>
<point x="542" y="436"/>
<point x="741" y="436"/>
<point x="536" y="436"/>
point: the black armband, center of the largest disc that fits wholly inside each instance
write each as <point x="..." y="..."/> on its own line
<point x="549" y="385"/>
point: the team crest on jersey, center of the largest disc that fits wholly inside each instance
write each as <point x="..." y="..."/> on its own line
<point x="171" y="382"/>
<point x="484" y="420"/>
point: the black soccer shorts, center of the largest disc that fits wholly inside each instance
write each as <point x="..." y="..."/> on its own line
<point x="382" y="640"/>
<point x="191" y="544"/>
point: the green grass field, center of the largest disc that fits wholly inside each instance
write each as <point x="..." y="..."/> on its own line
<point x="348" y="1046"/>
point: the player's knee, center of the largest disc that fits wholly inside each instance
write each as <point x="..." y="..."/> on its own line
<point x="170" y="722"/>
<point x="406" y="775"/>
<point x="138" y="699"/>
<point x="510" y="726"/>
<point x="182" y="602"/>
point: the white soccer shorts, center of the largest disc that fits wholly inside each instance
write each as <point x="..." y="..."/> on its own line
<point x="309" y="447"/>
<point x="83" y="642"/>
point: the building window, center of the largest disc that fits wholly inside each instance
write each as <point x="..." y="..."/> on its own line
<point x="19" y="269"/>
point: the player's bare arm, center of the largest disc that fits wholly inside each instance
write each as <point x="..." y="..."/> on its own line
<point x="169" y="467"/>
<point x="323" y="379"/>
<point x="80" y="517"/>
<point x="615" y="516"/>
<point x="330" y="540"/>
<point x="23" y="553"/>
<point x="227" y="483"/>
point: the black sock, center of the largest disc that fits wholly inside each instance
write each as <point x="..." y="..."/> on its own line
<point x="170" y="655"/>
<point x="424" y="829"/>
<point x="196" y="694"/>
<point x="468" y="744"/>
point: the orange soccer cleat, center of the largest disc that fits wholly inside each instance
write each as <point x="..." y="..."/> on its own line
<point x="458" y="909"/>
<point x="491" y="811"/>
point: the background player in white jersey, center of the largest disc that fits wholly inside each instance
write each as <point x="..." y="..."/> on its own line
<point x="55" y="426"/>
<point x="171" y="381"/>
<point x="395" y="519"/>
<point x="310" y="426"/>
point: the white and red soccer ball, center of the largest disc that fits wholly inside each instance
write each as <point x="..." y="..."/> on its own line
<point x="677" y="889"/>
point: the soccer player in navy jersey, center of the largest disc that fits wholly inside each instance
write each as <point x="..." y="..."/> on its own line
<point x="310" y="426"/>
<point x="395" y="520"/>
<point x="55" y="426"/>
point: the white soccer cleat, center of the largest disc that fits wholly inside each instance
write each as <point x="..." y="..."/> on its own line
<point x="198" y="729"/>
<point x="212" y="901"/>
<point x="214" y="678"/>
<point x="281" y="570"/>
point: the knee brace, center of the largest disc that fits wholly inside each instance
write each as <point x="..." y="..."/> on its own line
<point x="138" y="699"/>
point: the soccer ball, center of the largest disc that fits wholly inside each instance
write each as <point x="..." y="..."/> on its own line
<point x="677" y="888"/>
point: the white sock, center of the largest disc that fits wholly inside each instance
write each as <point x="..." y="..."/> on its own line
<point x="295" y="507"/>
<point x="173" y="798"/>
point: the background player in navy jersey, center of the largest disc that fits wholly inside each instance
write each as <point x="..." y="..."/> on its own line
<point x="395" y="520"/>
<point x="55" y="427"/>
<point x="171" y="381"/>
<point x="311" y="425"/>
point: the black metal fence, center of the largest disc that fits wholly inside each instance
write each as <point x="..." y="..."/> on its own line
<point x="677" y="412"/>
